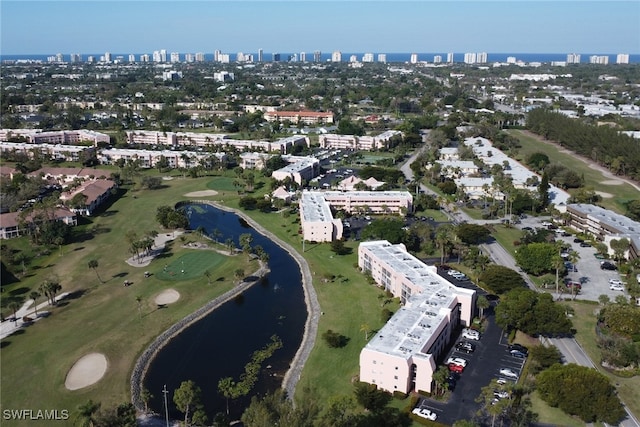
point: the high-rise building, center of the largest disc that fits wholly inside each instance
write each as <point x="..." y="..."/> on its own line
<point x="599" y="59"/>
<point x="353" y="58"/>
<point x="145" y="57"/>
<point x="76" y="57"/>
<point x="450" y="57"/>
<point x="200" y="57"/>
<point x="163" y="55"/>
<point x="303" y="57"/>
<point x="224" y="58"/>
<point x="216" y="55"/>
<point x="470" y="58"/>
<point x="260" y="55"/>
<point x="622" y="58"/>
<point x="573" y="58"/>
<point x="107" y="57"/>
<point x="511" y="60"/>
<point x="367" y="57"/>
<point x="481" y="57"/>
<point x="91" y="59"/>
<point x="317" y="56"/>
<point x="175" y="57"/>
<point x="276" y="57"/>
<point x="336" y="56"/>
<point x="414" y="58"/>
<point x="382" y="57"/>
<point x="189" y="57"/>
<point x="437" y="59"/>
<point x="132" y="57"/>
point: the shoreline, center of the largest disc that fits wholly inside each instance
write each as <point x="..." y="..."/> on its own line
<point x="292" y="375"/>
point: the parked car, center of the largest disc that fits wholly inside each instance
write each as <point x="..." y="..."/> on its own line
<point x="615" y="282"/>
<point x="578" y="240"/>
<point x="500" y="394"/>
<point x="518" y="354"/>
<point x="456" y="368"/>
<point x="456" y="360"/>
<point x="425" y="413"/>
<point x="470" y="334"/>
<point x="574" y="285"/>
<point x="606" y="265"/>
<point x="466" y="347"/>
<point x="502" y="381"/>
<point x="519" y="347"/>
<point x="585" y="245"/>
<point x="508" y="373"/>
<point x="616" y="287"/>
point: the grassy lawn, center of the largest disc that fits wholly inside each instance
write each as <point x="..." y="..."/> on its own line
<point x="106" y="317"/>
<point x="593" y="178"/>
<point x="506" y="236"/>
<point x="552" y="416"/>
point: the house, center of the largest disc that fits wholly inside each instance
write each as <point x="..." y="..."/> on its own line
<point x="11" y="224"/>
<point x="96" y="193"/>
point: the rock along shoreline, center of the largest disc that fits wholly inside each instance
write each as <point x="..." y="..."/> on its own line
<point x="292" y="375"/>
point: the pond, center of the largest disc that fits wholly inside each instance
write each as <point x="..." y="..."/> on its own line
<point x="221" y="344"/>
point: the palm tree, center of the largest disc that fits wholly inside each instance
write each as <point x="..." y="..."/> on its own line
<point x="93" y="264"/>
<point x="34" y="295"/>
<point x="444" y="237"/>
<point x="482" y="303"/>
<point x="207" y="274"/>
<point x="146" y="396"/>
<point x="86" y="412"/>
<point x="139" y="301"/>
<point x="557" y="262"/>
<point x="14" y="306"/>
<point x="365" y="328"/>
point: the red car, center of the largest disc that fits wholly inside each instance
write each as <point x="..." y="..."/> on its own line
<point x="456" y="368"/>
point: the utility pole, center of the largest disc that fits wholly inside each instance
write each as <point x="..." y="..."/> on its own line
<point x="166" y="408"/>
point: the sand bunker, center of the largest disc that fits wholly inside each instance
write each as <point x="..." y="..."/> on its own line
<point x="203" y="193"/>
<point x="611" y="182"/>
<point x="89" y="369"/>
<point x="604" y="195"/>
<point x="167" y="297"/>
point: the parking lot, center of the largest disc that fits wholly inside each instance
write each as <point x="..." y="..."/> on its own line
<point x="594" y="281"/>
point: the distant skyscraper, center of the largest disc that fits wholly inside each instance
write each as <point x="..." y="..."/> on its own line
<point x="450" y="58"/>
<point x="303" y="57"/>
<point x="163" y="55"/>
<point x="175" y="57"/>
<point x="469" y="58"/>
<point x="382" y="57"/>
<point x="200" y="56"/>
<point x="573" y="58"/>
<point x="353" y="58"/>
<point x="76" y="57"/>
<point x="189" y="57"/>
<point x="336" y="56"/>
<point x="216" y="56"/>
<point x="224" y="58"/>
<point x="276" y="57"/>
<point x="107" y="57"/>
<point x="91" y="59"/>
<point x="481" y="57"/>
<point x="599" y="59"/>
<point x="622" y="58"/>
<point x="414" y="58"/>
<point x="132" y="57"/>
<point x="145" y="57"/>
<point x="437" y="59"/>
<point x="511" y="60"/>
<point x="317" y="56"/>
<point x="367" y="57"/>
<point x="260" y="55"/>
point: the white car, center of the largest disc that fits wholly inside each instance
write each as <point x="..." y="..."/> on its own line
<point x="616" y="287"/>
<point x="425" y="413"/>
<point x="615" y="282"/>
<point x="508" y="373"/>
<point x="456" y="361"/>
<point x="502" y="381"/>
<point x="453" y="272"/>
<point x="470" y="334"/>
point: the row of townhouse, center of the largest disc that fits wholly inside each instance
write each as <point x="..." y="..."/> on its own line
<point x="175" y="139"/>
<point x="150" y="158"/>
<point x="605" y="225"/>
<point x="38" y="136"/>
<point x="316" y="217"/>
<point x="95" y="193"/>
<point x="354" y="142"/>
<point x="12" y="225"/>
<point x="403" y="355"/>
<point x="59" y="152"/>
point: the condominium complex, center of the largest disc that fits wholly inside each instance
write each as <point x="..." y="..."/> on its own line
<point x="475" y="58"/>
<point x="318" y="223"/>
<point x="38" y="136"/>
<point x="306" y="117"/>
<point x="67" y="153"/>
<point x="300" y="169"/>
<point x="353" y="142"/>
<point x="403" y="355"/>
<point x="622" y="58"/>
<point x="605" y="226"/>
<point x="150" y="158"/>
<point x="573" y="58"/>
<point x="336" y="56"/>
<point x="599" y="59"/>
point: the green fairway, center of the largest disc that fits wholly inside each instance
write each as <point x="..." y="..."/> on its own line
<point x="190" y="265"/>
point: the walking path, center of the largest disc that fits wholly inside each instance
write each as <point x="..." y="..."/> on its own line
<point x="159" y="243"/>
<point x="8" y="327"/>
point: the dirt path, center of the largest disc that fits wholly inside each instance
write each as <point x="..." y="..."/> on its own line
<point x="593" y="165"/>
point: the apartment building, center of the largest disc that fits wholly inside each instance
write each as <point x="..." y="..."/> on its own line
<point x="11" y="225"/>
<point x="316" y="220"/>
<point x="68" y="153"/>
<point x="353" y="142"/>
<point x="306" y="117"/>
<point x="299" y="169"/>
<point x="605" y="225"/>
<point x="38" y="136"/>
<point x="96" y="192"/>
<point x="403" y="354"/>
<point x="150" y="158"/>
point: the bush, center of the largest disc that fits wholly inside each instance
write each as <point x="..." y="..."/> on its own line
<point x="334" y="339"/>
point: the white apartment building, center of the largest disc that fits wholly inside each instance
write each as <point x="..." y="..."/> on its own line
<point x="403" y="354"/>
<point x="253" y="160"/>
<point x="573" y="58"/>
<point x="150" y="158"/>
<point x="414" y="58"/>
<point x="69" y="153"/>
<point x="299" y="169"/>
<point x="469" y="58"/>
<point x="367" y="57"/>
<point x="622" y="58"/>
<point x="382" y="57"/>
<point x="450" y="58"/>
<point x="437" y="59"/>
<point x="38" y="136"/>
<point x="353" y="142"/>
<point x="336" y="56"/>
<point x="316" y="220"/>
<point x="599" y="59"/>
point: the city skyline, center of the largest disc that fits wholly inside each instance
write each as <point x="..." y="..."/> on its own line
<point x="38" y="27"/>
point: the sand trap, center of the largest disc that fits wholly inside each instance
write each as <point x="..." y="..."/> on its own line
<point x="611" y="182"/>
<point x="167" y="297"/>
<point x="203" y="193"/>
<point x="89" y="369"/>
<point x="604" y="195"/>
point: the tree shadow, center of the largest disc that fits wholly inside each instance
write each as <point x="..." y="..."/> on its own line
<point x="76" y="294"/>
<point x="110" y="212"/>
<point x="120" y="275"/>
<point x="220" y="279"/>
<point x="4" y="343"/>
<point x="79" y="248"/>
<point x="19" y="291"/>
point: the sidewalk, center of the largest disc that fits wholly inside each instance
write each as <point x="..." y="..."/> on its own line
<point x="8" y="327"/>
<point x="158" y="246"/>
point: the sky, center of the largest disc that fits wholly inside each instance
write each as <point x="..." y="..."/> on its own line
<point x="292" y="26"/>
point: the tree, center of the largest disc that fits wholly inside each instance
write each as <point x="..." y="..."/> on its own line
<point x="563" y="386"/>
<point x="186" y="398"/>
<point x="86" y="413"/>
<point x="14" y="306"/>
<point x="226" y="387"/>
<point x="370" y="397"/>
<point x="34" y="295"/>
<point x="207" y="274"/>
<point x="533" y="313"/>
<point x="536" y="258"/>
<point x="146" y="397"/>
<point x="483" y="303"/>
<point x="93" y="264"/>
<point x="543" y="191"/>
<point x="366" y="329"/>
<point x="620" y="247"/>
<point x="444" y="238"/>
<point x="542" y="357"/>
<point x="499" y="279"/>
<point x="472" y="234"/>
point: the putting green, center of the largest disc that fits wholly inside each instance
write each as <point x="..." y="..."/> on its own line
<point x="190" y="266"/>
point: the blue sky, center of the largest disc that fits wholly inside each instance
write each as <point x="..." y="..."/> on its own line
<point x="518" y="26"/>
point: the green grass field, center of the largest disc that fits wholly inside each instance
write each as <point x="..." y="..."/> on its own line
<point x="191" y="265"/>
<point x="594" y="179"/>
